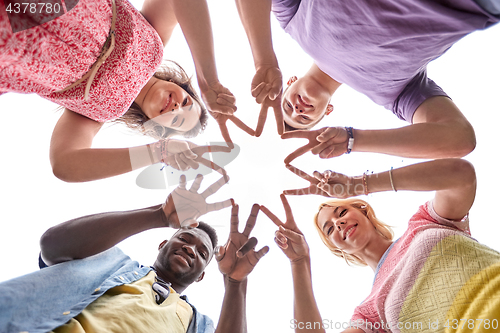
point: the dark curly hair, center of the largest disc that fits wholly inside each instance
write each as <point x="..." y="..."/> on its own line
<point x="136" y="119"/>
<point x="210" y="232"/>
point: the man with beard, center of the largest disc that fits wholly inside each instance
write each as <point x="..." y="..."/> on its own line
<point x="89" y="285"/>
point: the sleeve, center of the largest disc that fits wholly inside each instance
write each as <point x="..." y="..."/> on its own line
<point x="427" y="213"/>
<point x="285" y="10"/>
<point x="415" y="93"/>
<point x="361" y="322"/>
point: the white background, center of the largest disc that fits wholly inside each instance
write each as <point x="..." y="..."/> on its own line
<point x="34" y="200"/>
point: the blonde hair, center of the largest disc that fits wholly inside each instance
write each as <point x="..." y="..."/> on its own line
<point x="383" y="229"/>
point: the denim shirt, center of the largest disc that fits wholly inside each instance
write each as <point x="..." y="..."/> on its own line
<point x="46" y="299"/>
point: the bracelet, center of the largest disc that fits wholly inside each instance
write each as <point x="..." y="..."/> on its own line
<point x="365" y="184"/>
<point x="392" y="182"/>
<point x="350" y="141"/>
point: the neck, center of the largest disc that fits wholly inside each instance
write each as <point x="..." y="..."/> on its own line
<point x="372" y="253"/>
<point x="165" y="277"/>
<point x="323" y="79"/>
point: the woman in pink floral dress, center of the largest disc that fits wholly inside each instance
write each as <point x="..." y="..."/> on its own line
<point x="101" y="59"/>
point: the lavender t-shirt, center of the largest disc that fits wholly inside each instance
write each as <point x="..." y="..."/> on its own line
<point x="381" y="47"/>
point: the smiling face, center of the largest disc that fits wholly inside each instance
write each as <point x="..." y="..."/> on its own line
<point x="169" y="105"/>
<point x="346" y="228"/>
<point x="304" y="103"/>
<point x="182" y="260"/>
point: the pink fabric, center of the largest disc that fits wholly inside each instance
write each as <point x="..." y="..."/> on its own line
<point x="396" y="274"/>
<point x="51" y="56"/>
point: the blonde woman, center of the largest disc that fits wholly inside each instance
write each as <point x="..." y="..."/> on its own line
<point x="432" y="276"/>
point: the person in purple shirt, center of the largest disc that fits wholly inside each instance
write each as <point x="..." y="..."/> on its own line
<point x="380" y="48"/>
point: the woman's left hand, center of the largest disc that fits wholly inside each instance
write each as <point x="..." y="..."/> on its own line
<point x="218" y="98"/>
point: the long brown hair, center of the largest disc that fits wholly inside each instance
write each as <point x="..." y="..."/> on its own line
<point x="136" y="119"/>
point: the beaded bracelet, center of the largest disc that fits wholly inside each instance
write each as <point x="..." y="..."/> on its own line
<point x="365" y="184"/>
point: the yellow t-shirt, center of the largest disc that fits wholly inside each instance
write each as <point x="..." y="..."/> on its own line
<point x="132" y="308"/>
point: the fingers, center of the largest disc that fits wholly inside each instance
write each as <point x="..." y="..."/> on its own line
<point x="275" y="90"/>
<point x="210" y="149"/>
<point x="242" y="125"/>
<point x="294" y="236"/>
<point x="271" y="216"/>
<point x="196" y="184"/>
<point x="185" y="163"/>
<point x="234" y="219"/>
<point x="225" y="134"/>
<point x="302" y="150"/>
<point x="302" y="174"/>
<point x="251" y="220"/>
<point x="189" y="223"/>
<point x="220" y="205"/>
<point x="249" y="245"/>
<point x="214" y="188"/>
<point x="261" y="92"/>
<point x="262" y="252"/>
<point x="262" y="120"/>
<point x="182" y="182"/>
<point x="288" y="211"/>
<point x="278" y="114"/>
<point x="296" y="134"/>
<point x="220" y="253"/>
<point x="213" y="166"/>
<point x="313" y="189"/>
<point x="328" y="133"/>
<point x="226" y="99"/>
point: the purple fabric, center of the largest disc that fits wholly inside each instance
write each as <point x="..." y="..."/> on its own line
<point x="381" y="47"/>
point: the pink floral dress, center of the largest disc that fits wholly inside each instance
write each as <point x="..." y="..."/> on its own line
<point x="49" y="57"/>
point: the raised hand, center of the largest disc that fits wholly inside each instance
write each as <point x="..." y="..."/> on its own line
<point x="278" y="114"/>
<point x="289" y="238"/>
<point x="267" y="83"/>
<point x="333" y="142"/>
<point x="328" y="184"/>
<point x="218" y="98"/>
<point x="237" y="258"/>
<point x="328" y="142"/>
<point x="313" y="184"/>
<point x="221" y="119"/>
<point x="183" y="207"/>
<point x="183" y="155"/>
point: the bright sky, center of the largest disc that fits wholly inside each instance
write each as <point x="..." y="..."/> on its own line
<point x="34" y="200"/>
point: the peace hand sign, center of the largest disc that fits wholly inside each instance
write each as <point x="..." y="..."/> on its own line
<point x="238" y="258"/>
<point x="328" y="142"/>
<point x="183" y="207"/>
<point x="328" y="184"/>
<point x="221" y="119"/>
<point x="278" y="114"/>
<point x="289" y="238"/>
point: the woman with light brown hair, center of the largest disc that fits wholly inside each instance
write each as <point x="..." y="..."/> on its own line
<point x="97" y="59"/>
<point x="435" y="256"/>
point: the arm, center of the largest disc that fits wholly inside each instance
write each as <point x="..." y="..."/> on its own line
<point x="454" y="181"/>
<point x="439" y="130"/>
<point x="88" y="235"/>
<point x="236" y="260"/>
<point x="73" y="159"/>
<point x="293" y="244"/>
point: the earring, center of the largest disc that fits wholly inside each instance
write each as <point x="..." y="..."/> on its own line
<point x="329" y="109"/>
<point x="291" y="80"/>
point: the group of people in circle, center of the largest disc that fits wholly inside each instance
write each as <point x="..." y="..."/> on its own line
<point x="102" y="61"/>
